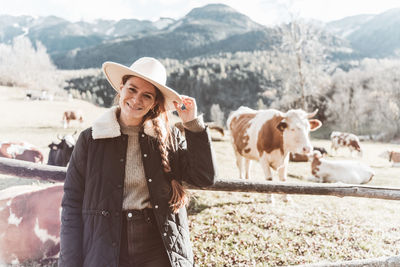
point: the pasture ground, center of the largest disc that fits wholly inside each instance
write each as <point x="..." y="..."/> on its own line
<point x="242" y="229"/>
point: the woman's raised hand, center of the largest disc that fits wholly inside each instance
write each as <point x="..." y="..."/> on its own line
<point x="187" y="111"/>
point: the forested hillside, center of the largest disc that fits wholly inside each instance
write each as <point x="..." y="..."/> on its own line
<point x="364" y="100"/>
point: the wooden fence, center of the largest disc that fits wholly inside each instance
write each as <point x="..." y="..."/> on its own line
<point x="25" y="169"/>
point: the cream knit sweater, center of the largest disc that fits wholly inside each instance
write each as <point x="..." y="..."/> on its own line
<point x="136" y="193"/>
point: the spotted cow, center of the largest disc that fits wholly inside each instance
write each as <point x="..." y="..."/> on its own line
<point x="20" y="150"/>
<point x="30" y="223"/>
<point x="391" y="156"/>
<point x="71" y="115"/>
<point x="268" y="136"/>
<point x="344" y="171"/>
<point x="349" y="140"/>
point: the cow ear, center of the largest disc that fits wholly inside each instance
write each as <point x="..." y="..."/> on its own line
<point x="282" y="126"/>
<point x="314" y="124"/>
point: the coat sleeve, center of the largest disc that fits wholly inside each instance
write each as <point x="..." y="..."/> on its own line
<point x="196" y="159"/>
<point x="71" y="215"/>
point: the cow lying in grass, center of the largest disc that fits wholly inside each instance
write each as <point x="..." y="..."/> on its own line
<point x="21" y="151"/>
<point x="391" y="156"/>
<point x="30" y="223"/>
<point x="344" y="171"/>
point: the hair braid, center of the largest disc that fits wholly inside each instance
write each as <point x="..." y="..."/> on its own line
<point x="179" y="195"/>
<point x="162" y="146"/>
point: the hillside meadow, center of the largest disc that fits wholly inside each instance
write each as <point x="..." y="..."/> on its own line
<point x="242" y="229"/>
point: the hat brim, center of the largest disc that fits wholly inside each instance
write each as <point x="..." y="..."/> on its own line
<point x="114" y="73"/>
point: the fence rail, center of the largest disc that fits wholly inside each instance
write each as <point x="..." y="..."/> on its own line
<point x="51" y="173"/>
<point x="25" y="169"/>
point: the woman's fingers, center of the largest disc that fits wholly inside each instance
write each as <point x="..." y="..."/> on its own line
<point x="188" y="103"/>
<point x="187" y="110"/>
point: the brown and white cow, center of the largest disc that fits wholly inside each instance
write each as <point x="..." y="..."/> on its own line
<point x="30" y="223"/>
<point x="391" y="156"/>
<point x="21" y="151"/>
<point x="71" y="115"/>
<point x="343" y="171"/>
<point x="349" y="140"/>
<point x="268" y="136"/>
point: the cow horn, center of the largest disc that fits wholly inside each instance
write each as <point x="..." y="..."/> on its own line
<point x="75" y="132"/>
<point x="312" y="114"/>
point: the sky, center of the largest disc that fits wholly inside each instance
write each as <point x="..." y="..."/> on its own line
<point x="266" y="12"/>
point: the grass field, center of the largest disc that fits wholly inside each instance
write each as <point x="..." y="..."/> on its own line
<point x="242" y="229"/>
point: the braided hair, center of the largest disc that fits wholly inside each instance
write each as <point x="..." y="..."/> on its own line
<point x="159" y="118"/>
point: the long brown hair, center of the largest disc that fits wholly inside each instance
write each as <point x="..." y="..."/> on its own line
<point x="158" y="116"/>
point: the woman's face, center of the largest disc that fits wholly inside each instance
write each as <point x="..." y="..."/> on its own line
<point x="137" y="97"/>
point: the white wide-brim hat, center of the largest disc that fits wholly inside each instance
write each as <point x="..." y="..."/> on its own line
<point x="147" y="68"/>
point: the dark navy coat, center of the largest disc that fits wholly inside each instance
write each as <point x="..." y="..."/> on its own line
<point x="93" y="192"/>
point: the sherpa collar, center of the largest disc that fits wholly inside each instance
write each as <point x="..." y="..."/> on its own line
<point x="107" y="125"/>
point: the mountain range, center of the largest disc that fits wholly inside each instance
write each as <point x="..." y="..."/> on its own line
<point x="371" y="35"/>
<point x="207" y="30"/>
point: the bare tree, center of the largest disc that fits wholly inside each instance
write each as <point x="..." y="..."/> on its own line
<point x="366" y="99"/>
<point x="22" y="64"/>
<point x="302" y="54"/>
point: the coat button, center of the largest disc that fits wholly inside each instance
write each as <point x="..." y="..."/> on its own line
<point x="114" y="244"/>
<point x="156" y="206"/>
<point x="142" y="135"/>
<point x="122" y="160"/>
<point x="129" y="214"/>
<point x="164" y="234"/>
<point x="145" y="155"/>
<point x="150" y="180"/>
<point x="105" y="213"/>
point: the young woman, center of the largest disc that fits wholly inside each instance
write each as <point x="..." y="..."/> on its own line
<point x="124" y="203"/>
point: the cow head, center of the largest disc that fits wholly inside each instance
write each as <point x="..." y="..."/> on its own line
<point x="60" y="153"/>
<point x="355" y="144"/>
<point x="295" y="127"/>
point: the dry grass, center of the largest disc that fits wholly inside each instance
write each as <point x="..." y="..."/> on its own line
<point x="242" y="229"/>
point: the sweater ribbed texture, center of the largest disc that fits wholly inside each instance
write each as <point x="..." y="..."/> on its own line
<point x="136" y="193"/>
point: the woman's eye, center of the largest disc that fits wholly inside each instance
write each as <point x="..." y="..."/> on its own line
<point x="132" y="89"/>
<point x="147" y="96"/>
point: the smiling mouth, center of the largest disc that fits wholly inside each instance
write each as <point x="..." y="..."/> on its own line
<point x="133" y="107"/>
